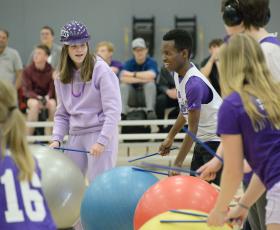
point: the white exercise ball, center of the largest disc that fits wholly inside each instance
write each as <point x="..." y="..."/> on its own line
<point x="63" y="184"/>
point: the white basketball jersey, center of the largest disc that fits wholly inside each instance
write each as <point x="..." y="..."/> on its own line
<point x="207" y="126"/>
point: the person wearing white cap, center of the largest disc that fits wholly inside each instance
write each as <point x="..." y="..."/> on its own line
<point x="139" y="74"/>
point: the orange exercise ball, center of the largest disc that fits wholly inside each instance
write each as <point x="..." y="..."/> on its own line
<point x="177" y="192"/>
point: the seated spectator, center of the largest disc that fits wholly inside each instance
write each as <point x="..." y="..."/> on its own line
<point x="106" y="50"/>
<point x="38" y="86"/>
<point x="47" y="38"/>
<point x="138" y="78"/>
<point x="10" y="62"/>
<point x="167" y="95"/>
<point x="209" y="66"/>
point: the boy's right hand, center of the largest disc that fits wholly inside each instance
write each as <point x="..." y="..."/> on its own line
<point x="165" y="146"/>
<point x="208" y="170"/>
<point x="54" y="144"/>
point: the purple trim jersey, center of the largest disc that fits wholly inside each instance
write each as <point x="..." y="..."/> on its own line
<point x="270" y="39"/>
<point x="22" y="204"/>
<point x="197" y="93"/>
<point x="261" y="148"/>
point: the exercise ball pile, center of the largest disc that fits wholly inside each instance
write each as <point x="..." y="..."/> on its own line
<point x="110" y="200"/>
<point x="63" y="184"/>
<point x="155" y="224"/>
<point x="177" y="192"/>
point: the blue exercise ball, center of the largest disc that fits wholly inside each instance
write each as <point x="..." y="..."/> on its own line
<point x="110" y="200"/>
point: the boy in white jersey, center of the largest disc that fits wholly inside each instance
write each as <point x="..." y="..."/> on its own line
<point x="198" y="101"/>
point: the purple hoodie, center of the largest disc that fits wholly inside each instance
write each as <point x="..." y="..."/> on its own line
<point x="97" y="109"/>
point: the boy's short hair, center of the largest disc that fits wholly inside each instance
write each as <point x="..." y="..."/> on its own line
<point x="48" y="28"/>
<point x="109" y="46"/>
<point x="215" y="42"/>
<point x="5" y="31"/>
<point x="182" y="39"/>
<point x="45" y="48"/>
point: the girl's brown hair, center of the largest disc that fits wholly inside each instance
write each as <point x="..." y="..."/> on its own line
<point x="67" y="65"/>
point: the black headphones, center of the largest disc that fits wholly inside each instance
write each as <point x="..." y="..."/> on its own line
<point x="232" y="15"/>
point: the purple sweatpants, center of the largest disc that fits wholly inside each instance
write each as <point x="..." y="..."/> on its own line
<point x="90" y="165"/>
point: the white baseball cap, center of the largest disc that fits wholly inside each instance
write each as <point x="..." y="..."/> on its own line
<point x="138" y="43"/>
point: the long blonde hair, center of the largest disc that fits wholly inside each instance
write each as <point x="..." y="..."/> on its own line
<point x="243" y="69"/>
<point x="67" y="66"/>
<point x="13" y="129"/>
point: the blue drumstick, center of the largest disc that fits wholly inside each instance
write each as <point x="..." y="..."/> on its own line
<point x="183" y="221"/>
<point x="147" y="170"/>
<point x="150" y="155"/>
<point x="72" y="150"/>
<point x="211" y="151"/>
<point x="188" y="213"/>
<point x="63" y="149"/>
<point x="191" y="221"/>
<point x="170" y="168"/>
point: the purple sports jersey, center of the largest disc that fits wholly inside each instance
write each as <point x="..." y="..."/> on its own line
<point x="197" y="93"/>
<point x="261" y="149"/>
<point x="22" y="204"/>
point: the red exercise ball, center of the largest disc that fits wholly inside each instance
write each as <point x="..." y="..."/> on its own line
<point x="177" y="192"/>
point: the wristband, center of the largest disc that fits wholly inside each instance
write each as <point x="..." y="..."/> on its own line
<point x="243" y="206"/>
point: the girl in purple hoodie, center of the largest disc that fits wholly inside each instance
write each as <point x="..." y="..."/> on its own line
<point x="89" y="104"/>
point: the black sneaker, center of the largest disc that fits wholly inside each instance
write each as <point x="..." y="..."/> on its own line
<point x="151" y="115"/>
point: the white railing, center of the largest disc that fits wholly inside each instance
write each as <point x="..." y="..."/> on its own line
<point x="121" y="123"/>
<point x="122" y="137"/>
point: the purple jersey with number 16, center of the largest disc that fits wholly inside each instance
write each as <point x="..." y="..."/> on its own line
<point x="22" y="203"/>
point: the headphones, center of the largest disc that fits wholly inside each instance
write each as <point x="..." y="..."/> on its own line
<point x="232" y="15"/>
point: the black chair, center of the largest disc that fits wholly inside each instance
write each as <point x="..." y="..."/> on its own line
<point x="189" y="24"/>
<point x="145" y="28"/>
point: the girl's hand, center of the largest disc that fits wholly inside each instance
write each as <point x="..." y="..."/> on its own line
<point x="217" y="218"/>
<point x="54" y="144"/>
<point x="97" y="149"/>
<point x="237" y="215"/>
<point x="208" y="170"/>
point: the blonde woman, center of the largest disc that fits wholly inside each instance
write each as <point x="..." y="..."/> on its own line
<point x="249" y="126"/>
<point x="22" y="205"/>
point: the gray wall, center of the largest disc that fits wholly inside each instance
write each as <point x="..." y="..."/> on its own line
<point x="112" y="20"/>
